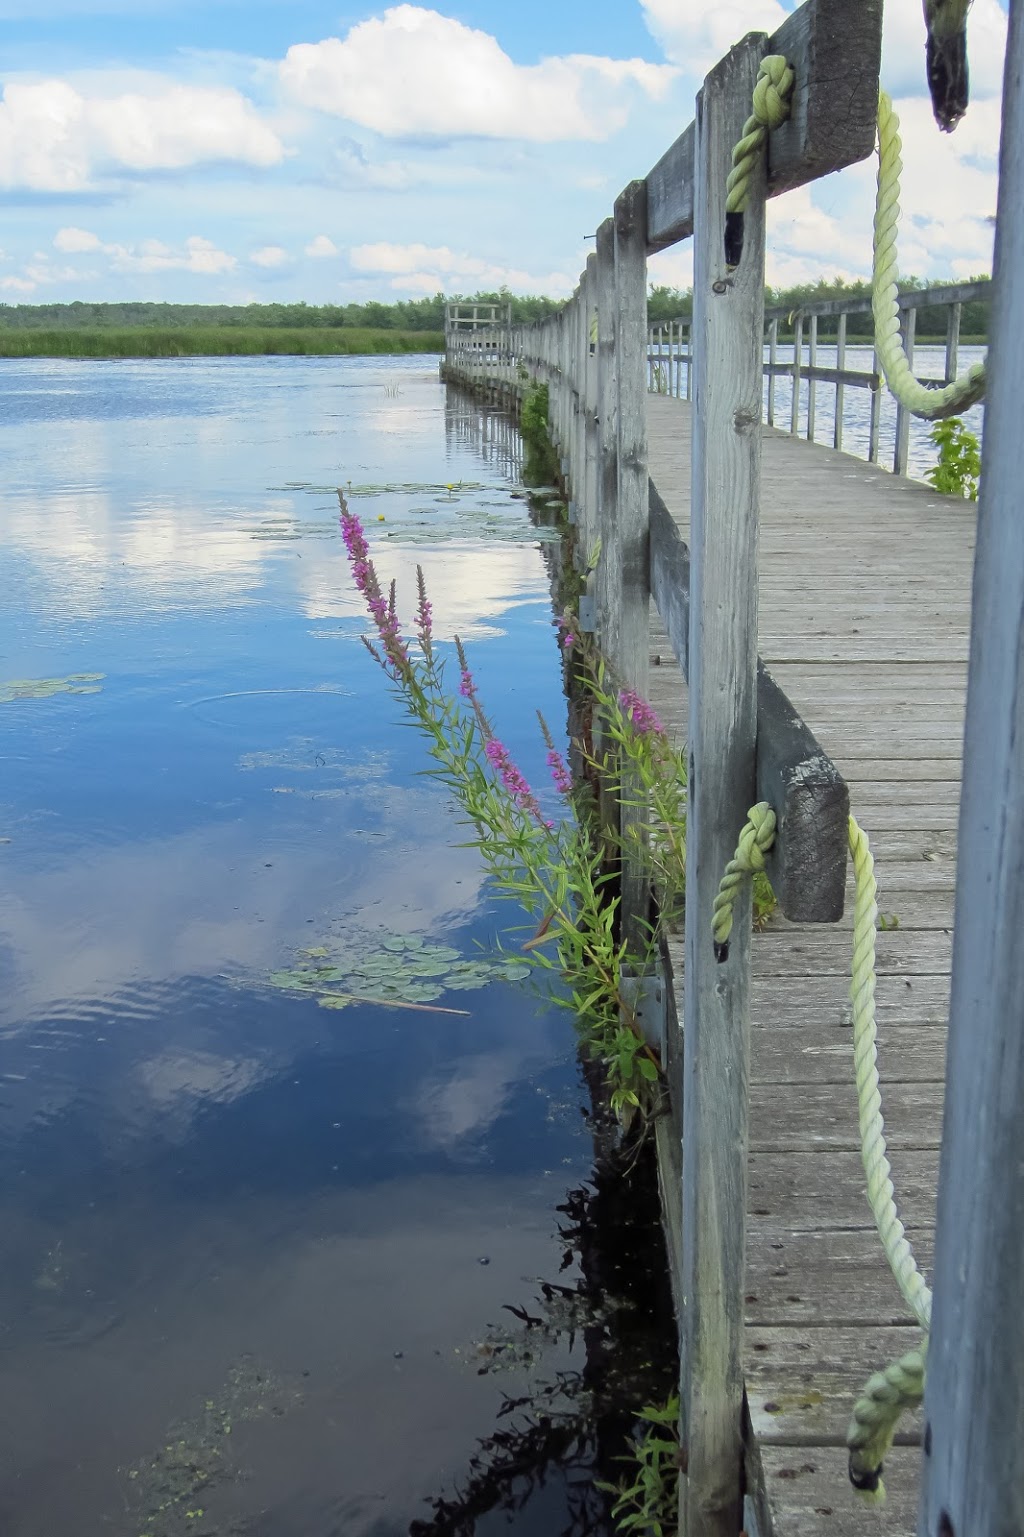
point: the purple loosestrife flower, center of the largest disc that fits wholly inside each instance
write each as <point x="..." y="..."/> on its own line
<point x="365" y="577"/>
<point x="640" y="714"/>
<point x="424" y="616"/>
<point x="515" y="785"/>
<point x="559" y="773"/>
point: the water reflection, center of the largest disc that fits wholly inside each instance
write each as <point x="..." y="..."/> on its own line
<point x="245" y="1236"/>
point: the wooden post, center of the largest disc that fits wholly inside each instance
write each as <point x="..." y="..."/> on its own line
<point x="591" y="477"/>
<point x="953" y="341"/>
<point x="901" y="449"/>
<point x="876" y="413"/>
<point x="728" y="327"/>
<point x="812" y="387"/>
<point x="628" y="634"/>
<point x="773" y="349"/>
<point x="607" y="488"/>
<point x="837" y="426"/>
<point x="798" y="358"/>
<point x="974" y="1396"/>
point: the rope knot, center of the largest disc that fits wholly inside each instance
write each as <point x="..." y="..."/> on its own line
<point x="755" y="840"/>
<point x="772" y="91"/>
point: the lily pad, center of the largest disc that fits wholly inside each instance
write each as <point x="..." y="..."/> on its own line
<point x="400" y="969"/>
<point x="46" y="688"/>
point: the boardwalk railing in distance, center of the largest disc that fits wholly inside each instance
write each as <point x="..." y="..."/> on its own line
<point x="745" y="741"/>
<point x="670" y="358"/>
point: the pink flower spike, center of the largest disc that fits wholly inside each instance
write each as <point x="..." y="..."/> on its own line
<point x="640" y="714"/>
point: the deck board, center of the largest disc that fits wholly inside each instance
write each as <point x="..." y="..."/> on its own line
<point x="864" y="621"/>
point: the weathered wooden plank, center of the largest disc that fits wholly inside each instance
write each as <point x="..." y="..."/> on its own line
<point x="825" y="1189"/>
<point x="814" y="952"/>
<point x="825" y="131"/>
<point x="809" y="1493"/>
<point x="824" y="1115"/>
<point x="974" y="1403"/>
<point x="825" y="1277"/>
<point x="626" y="622"/>
<point x="727" y="329"/>
<point x="801" y="1052"/>
<point x="824" y="1371"/>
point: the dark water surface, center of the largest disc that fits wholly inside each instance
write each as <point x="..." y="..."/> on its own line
<point x="255" y="1250"/>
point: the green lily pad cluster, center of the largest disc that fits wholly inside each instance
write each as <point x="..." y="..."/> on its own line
<point x="45" y="688"/>
<point x="404" y="971"/>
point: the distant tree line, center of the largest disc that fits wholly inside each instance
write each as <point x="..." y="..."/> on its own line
<point x="663" y="304"/>
<point x="405" y="315"/>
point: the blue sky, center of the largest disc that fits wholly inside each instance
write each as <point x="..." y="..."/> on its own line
<point x="238" y="150"/>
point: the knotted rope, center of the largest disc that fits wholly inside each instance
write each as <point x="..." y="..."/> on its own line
<point x="901" y="1386"/>
<point x="769" y="109"/>
<point x="756" y="839"/>
<point x="917" y="398"/>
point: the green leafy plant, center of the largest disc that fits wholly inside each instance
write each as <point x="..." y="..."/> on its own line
<point x="562" y="873"/>
<point x="959" y="467"/>
<point x="556" y="871"/>
<point x="647" y="1504"/>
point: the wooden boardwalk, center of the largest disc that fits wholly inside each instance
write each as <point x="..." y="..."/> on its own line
<point x="865" y="585"/>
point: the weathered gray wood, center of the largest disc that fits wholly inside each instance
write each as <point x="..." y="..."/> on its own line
<point x="809" y="1494"/>
<point x="837" y="429"/>
<point x="727" y="329"/>
<point x="826" y="129"/>
<point x="626" y="618"/>
<point x="902" y="443"/>
<point x="670" y="194"/>
<point x="909" y="298"/>
<point x="974" y="1398"/>
<point x="607" y="487"/>
<point x="811" y="802"/>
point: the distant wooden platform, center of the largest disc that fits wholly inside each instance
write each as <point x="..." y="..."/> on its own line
<point x="865" y="585"/>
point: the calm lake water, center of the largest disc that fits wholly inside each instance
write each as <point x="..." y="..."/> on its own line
<point x="260" y="1255"/>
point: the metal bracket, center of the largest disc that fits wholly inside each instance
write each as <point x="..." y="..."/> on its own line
<point x="571" y="512"/>
<point x="647" y="996"/>
<point x="587" y="613"/>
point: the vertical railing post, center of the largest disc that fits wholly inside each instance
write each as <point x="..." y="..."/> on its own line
<point x="874" y="423"/>
<point x="798" y="359"/>
<point x="974" y="1396"/>
<point x="953" y="341"/>
<point x="628" y="626"/>
<point x="812" y="386"/>
<point x="773" y="350"/>
<point x="728" y="327"/>
<point x="606" y="406"/>
<point x="901" y="449"/>
<point x="591" y="474"/>
<point x="837" y="425"/>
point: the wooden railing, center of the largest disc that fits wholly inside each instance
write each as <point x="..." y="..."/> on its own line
<point x="745" y="742"/>
<point x="670" y="360"/>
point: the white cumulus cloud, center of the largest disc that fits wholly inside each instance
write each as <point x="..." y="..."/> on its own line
<point x="72" y="240"/>
<point x="427" y="269"/>
<point x="196" y="255"/>
<point x="321" y="246"/>
<point x="270" y="256"/>
<point x="54" y="138"/>
<point x="414" y="71"/>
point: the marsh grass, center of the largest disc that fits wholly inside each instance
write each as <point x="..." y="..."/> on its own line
<point x="215" y="341"/>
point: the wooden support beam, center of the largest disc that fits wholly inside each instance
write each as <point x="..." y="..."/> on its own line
<point x="835" y="49"/>
<point x="974" y="1396"/>
<point x="628" y="646"/>
<point x="728" y="324"/>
